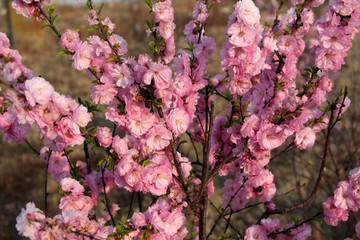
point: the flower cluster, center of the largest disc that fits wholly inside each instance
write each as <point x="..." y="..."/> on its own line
<point x="34" y="100"/>
<point x="337" y="28"/>
<point x="270" y="229"/>
<point x="155" y="100"/>
<point x="346" y="198"/>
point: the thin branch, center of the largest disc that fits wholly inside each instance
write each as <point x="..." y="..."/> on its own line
<point x="140" y="201"/>
<point x="131" y="203"/>
<point x="87" y="157"/>
<point x="330" y="127"/>
<point x="226" y="220"/>
<point x="296" y="225"/>
<point x="194" y="146"/>
<point x="221" y="214"/>
<point x="32" y="148"/>
<point x="105" y="194"/>
<point x="46" y="182"/>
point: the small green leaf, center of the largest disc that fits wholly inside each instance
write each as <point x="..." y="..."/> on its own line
<point x="149" y="3"/>
<point x="100" y="8"/>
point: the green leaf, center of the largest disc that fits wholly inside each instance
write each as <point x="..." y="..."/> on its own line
<point x="88" y="4"/>
<point x="94" y="28"/>
<point x="145" y="163"/>
<point x="103" y="160"/>
<point x="149" y="3"/>
<point x="182" y="142"/>
<point x="46" y="25"/>
<point x="111" y="60"/>
<point x="150" y="26"/>
<point x="67" y="152"/>
<point x="64" y="53"/>
<point x="100" y="8"/>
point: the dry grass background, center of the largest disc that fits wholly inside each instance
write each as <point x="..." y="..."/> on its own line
<point x="22" y="173"/>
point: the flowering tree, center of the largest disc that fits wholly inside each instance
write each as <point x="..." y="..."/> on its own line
<point x="156" y="99"/>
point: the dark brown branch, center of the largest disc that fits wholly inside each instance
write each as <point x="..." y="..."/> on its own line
<point x="87" y="157"/>
<point x="46" y="182"/>
<point x="296" y="225"/>
<point x="131" y="203"/>
<point x="226" y="220"/>
<point x="221" y="214"/>
<point x="32" y="148"/>
<point x="330" y="127"/>
<point x="140" y="202"/>
<point x="174" y="152"/>
<point x="105" y="194"/>
<point x="194" y="146"/>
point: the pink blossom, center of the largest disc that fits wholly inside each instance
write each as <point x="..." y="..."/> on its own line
<point x="71" y="185"/>
<point x="12" y="71"/>
<point x="334" y="38"/>
<point x="343" y="197"/>
<point x="200" y="12"/>
<point x="178" y="121"/>
<point x="161" y="75"/>
<point x="305" y="138"/>
<point x="247" y="12"/>
<point x="140" y="123"/>
<point x="158" y="179"/>
<point x="104" y="93"/>
<point x="118" y="43"/>
<point x="287" y="44"/>
<point x="158" y="137"/>
<point x="70" y="40"/>
<point x="138" y="219"/>
<point x="104" y="135"/>
<point x="329" y="60"/>
<point x="205" y="48"/>
<point x="82" y="56"/>
<point x="38" y="90"/>
<point x="240" y="86"/>
<point x="122" y="75"/>
<point x="93" y="17"/>
<point x="58" y="165"/>
<point x="28" y="223"/>
<point x="108" y="25"/>
<point x="270" y="136"/>
<point x="333" y="214"/>
<point x="78" y="202"/>
<point x="241" y="35"/>
<point x="119" y="145"/>
<point x="255" y="232"/>
<point x="271" y="225"/>
<point x="301" y="233"/>
<point x="4" y="41"/>
<point x="100" y="46"/>
<point x="163" y="12"/>
<point x="357" y="229"/>
<point x="81" y="116"/>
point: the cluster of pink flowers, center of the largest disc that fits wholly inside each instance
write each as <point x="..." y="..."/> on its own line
<point x="241" y="55"/>
<point x="337" y="28"/>
<point x="164" y="18"/>
<point x="346" y="198"/>
<point x="71" y="224"/>
<point x="270" y="229"/>
<point x="30" y="8"/>
<point x="153" y="103"/>
<point x="167" y="220"/>
<point x="34" y="100"/>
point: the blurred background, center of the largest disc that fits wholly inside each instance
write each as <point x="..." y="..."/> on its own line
<point x="22" y="174"/>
